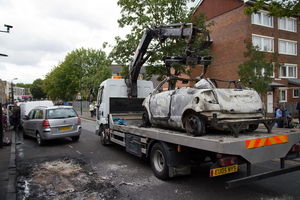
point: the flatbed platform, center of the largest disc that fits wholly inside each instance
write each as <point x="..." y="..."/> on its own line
<point x="255" y="147"/>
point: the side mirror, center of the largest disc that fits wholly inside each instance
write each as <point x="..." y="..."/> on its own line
<point x="25" y="117"/>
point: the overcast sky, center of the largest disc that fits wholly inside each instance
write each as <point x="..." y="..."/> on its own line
<point x="44" y="31"/>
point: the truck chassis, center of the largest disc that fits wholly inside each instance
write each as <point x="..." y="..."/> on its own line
<point x="173" y="152"/>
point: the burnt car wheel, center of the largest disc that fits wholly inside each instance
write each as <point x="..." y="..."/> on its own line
<point x="252" y="127"/>
<point x="194" y="125"/>
<point x="145" y="119"/>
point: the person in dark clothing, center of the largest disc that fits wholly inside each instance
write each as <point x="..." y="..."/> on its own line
<point x="298" y="108"/>
<point x="16" y="116"/>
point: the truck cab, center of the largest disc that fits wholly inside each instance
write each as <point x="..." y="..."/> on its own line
<point x="112" y="98"/>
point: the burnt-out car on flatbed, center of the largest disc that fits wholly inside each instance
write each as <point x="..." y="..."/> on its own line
<point x="196" y="108"/>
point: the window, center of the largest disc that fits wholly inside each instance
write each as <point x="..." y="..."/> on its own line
<point x="287" y="47"/>
<point x="263" y="43"/>
<point x="295" y="93"/>
<point x="262" y="18"/>
<point x="288" y="71"/>
<point x="263" y="70"/>
<point x="60" y="113"/>
<point x="287" y="24"/>
<point x="283" y="95"/>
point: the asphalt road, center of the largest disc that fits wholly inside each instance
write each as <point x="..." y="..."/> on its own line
<point x="132" y="177"/>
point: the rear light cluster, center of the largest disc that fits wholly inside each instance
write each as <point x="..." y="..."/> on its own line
<point x="227" y="160"/>
<point x="79" y="121"/>
<point x="295" y="148"/>
<point x="46" y="124"/>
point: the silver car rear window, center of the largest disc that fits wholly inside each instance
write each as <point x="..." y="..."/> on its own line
<point x="60" y="113"/>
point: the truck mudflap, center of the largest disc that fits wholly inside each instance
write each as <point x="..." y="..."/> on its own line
<point x="292" y="154"/>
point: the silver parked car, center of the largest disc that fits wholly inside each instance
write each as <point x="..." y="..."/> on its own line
<point x="47" y="123"/>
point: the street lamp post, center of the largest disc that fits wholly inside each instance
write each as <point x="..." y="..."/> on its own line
<point x="80" y="88"/>
<point x="8" y="27"/>
<point x="12" y="90"/>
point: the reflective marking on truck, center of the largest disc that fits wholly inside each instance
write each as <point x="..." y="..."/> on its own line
<point x="261" y="142"/>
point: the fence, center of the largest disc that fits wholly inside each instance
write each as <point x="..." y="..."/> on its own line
<point x="77" y="105"/>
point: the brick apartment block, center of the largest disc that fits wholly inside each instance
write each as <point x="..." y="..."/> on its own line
<point x="232" y="27"/>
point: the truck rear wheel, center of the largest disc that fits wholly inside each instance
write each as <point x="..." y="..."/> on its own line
<point x="194" y="125"/>
<point x="159" y="162"/>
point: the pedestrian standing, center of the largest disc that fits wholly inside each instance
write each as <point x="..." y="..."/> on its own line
<point x="4" y="114"/>
<point x="91" y="109"/>
<point x="298" y="108"/>
<point x="16" y="116"/>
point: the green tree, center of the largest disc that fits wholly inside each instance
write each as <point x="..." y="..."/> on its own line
<point x="283" y="8"/>
<point x="63" y="82"/>
<point x="257" y="71"/>
<point x="140" y="14"/>
<point x="36" y="89"/>
<point x="23" y="85"/>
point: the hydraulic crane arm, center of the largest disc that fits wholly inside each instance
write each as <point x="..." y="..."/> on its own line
<point x="163" y="32"/>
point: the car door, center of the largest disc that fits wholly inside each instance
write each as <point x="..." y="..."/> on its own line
<point x="27" y="124"/>
<point x="160" y="105"/>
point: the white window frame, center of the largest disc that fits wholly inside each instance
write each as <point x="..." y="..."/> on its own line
<point x="283" y="93"/>
<point x="288" y="67"/>
<point x="285" y="27"/>
<point x="263" y="40"/>
<point x="263" y="71"/>
<point x="261" y="16"/>
<point x="287" y="43"/>
<point x="297" y="91"/>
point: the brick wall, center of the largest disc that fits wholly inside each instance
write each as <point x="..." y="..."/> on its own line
<point x="228" y="47"/>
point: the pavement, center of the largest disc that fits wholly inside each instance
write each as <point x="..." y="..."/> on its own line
<point x="8" y="168"/>
<point x="8" y="171"/>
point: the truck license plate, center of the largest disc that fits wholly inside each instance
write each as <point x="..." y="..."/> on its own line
<point x="223" y="170"/>
<point x="64" y="128"/>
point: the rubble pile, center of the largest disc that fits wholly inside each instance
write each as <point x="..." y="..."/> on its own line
<point x="62" y="179"/>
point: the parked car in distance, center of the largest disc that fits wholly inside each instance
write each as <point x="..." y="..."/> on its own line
<point x="47" y="123"/>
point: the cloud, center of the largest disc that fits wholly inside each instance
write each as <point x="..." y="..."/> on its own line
<point x="44" y="32"/>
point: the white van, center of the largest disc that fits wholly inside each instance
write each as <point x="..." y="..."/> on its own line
<point x="26" y="107"/>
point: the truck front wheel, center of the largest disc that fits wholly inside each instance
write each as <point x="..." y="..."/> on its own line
<point x="103" y="139"/>
<point x="159" y="162"/>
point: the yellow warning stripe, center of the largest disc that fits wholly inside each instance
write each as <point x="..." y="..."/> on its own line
<point x="261" y="142"/>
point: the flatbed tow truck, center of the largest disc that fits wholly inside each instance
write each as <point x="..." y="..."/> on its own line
<point x="172" y="152"/>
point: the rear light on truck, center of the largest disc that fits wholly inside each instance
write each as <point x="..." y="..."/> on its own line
<point x="46" y="124"/>
<point x="295" y="148"/>
<point x="79" y="121"/>
<point x="228" y="161"/>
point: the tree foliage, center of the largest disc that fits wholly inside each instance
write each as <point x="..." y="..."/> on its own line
<point x="257" y="71"/>
<point x="23" y="85"/>
<point x="140" y="14"/>
<point x="283" y="8"/>
<point x="36" y="89"/>
<point x="64" y="80"/>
